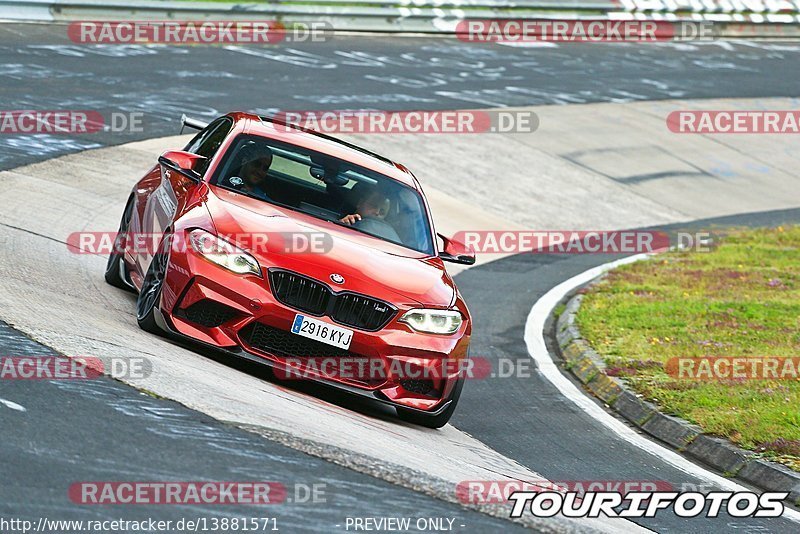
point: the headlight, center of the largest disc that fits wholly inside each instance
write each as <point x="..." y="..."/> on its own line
<point x="223" y="253"/>
<point x="433" y="321"/>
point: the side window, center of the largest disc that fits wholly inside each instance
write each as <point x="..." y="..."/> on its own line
<point x="207" y="142"/>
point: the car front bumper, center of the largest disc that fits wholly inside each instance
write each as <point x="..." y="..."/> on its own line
<point x="404" y="368"/>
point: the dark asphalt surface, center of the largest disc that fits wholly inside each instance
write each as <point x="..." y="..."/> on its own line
<point x="40" y="68"/>
<point x="102" y="430"/>
<point x="107" y="430"/>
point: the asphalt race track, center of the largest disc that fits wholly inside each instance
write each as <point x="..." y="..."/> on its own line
<point x="43" y="69"/>
<point x="105" y="430"/>
<point x="110" y="430"/>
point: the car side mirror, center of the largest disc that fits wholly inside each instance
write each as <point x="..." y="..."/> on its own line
<point x="456" y="252"/>
<point x="185" y="163"/>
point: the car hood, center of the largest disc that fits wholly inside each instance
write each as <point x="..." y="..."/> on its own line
<point x="368" y="265"/>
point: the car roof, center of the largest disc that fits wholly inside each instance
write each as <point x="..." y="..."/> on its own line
<point x="278" y="130"/>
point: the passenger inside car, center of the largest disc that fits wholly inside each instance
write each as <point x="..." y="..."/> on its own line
<point x="252" y="177"/>
<point x="328" y="189"/>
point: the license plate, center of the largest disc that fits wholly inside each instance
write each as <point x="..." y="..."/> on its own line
<point x="321" y="331"/>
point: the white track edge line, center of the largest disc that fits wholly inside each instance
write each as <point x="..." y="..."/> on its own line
<point x="537" y="349"/>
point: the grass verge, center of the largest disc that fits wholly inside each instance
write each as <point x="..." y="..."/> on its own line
<point x="741" y="299"/>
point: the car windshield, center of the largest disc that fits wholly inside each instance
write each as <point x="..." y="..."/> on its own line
<point x="327" y="188"/>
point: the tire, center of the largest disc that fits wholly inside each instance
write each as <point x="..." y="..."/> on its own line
<point x="433" y="421"/>
<point x="116" y="272"/>
<point x="149" y="299"/>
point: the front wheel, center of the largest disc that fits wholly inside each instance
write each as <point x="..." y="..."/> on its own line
<point x="433" y="421"/>
<point x="150" y="295"/>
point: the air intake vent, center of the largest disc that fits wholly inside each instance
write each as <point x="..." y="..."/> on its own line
<point x="287" y="345"/>
<point x="208" y="313"/>
<point x="354" y="368"/>
<point x="420" y="387"/>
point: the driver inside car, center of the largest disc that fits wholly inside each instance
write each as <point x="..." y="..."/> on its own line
<point x="252" y="177"/>
<point x="373" y="204"/>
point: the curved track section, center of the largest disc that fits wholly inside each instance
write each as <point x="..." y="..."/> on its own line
<point x="41" y="68"/>
<point x="590" y="166"/>
<point x="78" y="314"/>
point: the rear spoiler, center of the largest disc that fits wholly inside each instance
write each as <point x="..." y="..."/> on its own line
<point x="187" y="122"/>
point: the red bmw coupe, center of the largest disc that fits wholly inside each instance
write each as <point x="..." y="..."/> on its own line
<point x="303" y="252"/>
